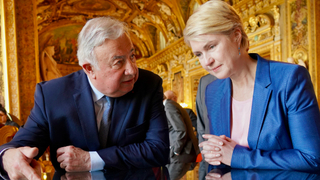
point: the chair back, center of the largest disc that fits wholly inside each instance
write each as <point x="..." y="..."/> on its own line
<point x="7" y="133"/>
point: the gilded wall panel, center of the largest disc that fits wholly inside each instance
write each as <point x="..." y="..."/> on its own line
<point x="317" y="48"/>
<point x="311" y="62"/>
<point x="299" y="30"/>
<point x="2" y="94"/>
<point x="26" y="56"/>
<point x="66" y="69"/>
<point x="302" y="30"/>
<point x="179" y="69"/>
<point x="12" y="62"/>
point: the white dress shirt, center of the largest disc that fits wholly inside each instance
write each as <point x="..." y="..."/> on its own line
<point x="96" y="161"/>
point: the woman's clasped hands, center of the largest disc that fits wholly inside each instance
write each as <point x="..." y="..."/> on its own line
<point x="217" y="149"/>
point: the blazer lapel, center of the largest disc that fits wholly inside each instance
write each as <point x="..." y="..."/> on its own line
<point x="218" y="96"/>
<point x="226" y="110"/>
<point x="261" y="98"/>
<point x="85" y="107"/>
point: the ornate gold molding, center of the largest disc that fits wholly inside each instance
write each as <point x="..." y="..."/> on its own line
<point x="311" y="61"/>
<point x="27" y="58"/>
<point x="317" y="49"/>
<point x="248" y="8"/>
<point x="176" y="58"/>
<point x="3" y="57"/>
<point x="12" y="62"/>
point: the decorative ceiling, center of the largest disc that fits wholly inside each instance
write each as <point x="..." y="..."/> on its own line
<point x="153" y="24"/>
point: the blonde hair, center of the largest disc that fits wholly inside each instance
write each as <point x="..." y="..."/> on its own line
<point x="214" y="17"/>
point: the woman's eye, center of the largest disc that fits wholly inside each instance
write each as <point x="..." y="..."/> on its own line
<point x="211" y="47"/>
<point x="198" y="54"/>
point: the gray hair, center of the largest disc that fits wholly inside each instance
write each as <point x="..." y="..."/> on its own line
<point x="94" y="34"/>
<point x="214" y="17"/>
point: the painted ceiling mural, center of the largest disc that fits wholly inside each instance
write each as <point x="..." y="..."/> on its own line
<point x="59" y="21"/>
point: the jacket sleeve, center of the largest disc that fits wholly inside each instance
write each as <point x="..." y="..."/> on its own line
<point x="200" y="106"/>
<point x="303" y="121"/>
<point x="35" y="132"/>
<point x="179" y="136"/>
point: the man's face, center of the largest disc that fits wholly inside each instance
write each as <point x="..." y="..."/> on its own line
<point x="118" y="70"/>
<point x="3" y="117"/>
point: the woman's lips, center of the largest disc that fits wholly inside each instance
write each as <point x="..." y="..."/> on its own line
<point x="216" y="68"/>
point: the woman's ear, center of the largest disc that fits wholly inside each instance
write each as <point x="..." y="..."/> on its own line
<point x="238" y="35"/>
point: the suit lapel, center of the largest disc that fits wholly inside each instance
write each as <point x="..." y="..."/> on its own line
<point x="119" y="113"/>
<point x="261" y="98"/>
<point x="85" y="107"/>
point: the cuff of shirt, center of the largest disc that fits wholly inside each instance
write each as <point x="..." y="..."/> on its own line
<point x="97" y="163"/>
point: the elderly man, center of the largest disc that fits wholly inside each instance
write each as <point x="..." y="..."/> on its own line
<point x="107" y="116"/>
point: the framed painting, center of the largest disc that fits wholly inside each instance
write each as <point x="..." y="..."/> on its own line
<point x="64" y="40"/>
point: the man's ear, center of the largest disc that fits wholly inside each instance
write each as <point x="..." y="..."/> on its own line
<point x="89" y="70"/>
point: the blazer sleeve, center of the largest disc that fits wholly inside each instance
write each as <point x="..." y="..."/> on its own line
<point x="179" y="131"/>
<point x="303" y="122"/>
<point x="34" y="132"/>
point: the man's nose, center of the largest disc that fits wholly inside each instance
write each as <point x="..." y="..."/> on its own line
<point x="131" y="67"/>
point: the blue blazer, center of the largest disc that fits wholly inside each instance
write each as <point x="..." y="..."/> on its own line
<point x="63" y="114"/>
<point x="284" y="130"/>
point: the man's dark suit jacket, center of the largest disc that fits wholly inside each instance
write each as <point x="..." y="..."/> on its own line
<point x="193" y="117"/>
<point x="181" y="134"/>
<point x="63" y="114"/>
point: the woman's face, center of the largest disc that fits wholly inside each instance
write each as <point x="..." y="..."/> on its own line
<point x="3" y="117"/>
<point x="217" y="53"/>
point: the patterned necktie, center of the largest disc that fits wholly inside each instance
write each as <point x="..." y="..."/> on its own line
<point x="105" y="122"/>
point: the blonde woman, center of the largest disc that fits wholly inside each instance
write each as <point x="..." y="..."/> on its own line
<point x="262" y="114"/>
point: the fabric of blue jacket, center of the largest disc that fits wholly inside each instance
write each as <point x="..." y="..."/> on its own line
<point x="284" y="130"/>
<point x="63" y="114"/>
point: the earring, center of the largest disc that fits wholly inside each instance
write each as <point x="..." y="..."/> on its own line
<point x="239" y="50"/>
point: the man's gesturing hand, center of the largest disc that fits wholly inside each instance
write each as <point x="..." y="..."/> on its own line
<point x="19" y="163"/>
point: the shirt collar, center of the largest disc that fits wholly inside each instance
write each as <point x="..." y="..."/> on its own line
<point x="96" y="95"/>
<point x="164" y="102"/>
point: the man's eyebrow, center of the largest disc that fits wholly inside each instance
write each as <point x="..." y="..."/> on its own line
<point x="118" y="57"/>
<point x="122" y="57"/>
